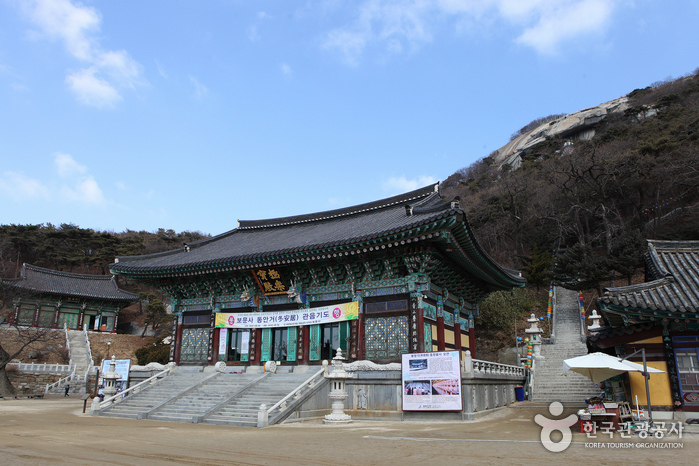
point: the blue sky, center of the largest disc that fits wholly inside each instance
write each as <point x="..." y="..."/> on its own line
<point x="191" y="115"/>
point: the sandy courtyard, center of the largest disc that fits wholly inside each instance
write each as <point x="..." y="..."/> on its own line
<point x="54" y="430"/>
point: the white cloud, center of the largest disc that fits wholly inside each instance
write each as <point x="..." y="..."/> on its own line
<point x="253" y="33"/>
<point x="77" y="184"/>
<point x="92" y="90"/>
<point x="76" y="26"/>
<point x="67" y="166"/>
<point x="18" y="186"/>
<point x="161" y="70"/>
<point x="86" y="191"/>
<point x="60" y="19"/>
<point x="200" y="90"/>
<point x="564" y="21"/>
<point x="397" y="26"/>
<point x="286" y="69"/>
<point x="74" y="186"/>
<point x="401" y="184"/>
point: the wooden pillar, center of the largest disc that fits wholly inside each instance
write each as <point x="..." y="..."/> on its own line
<point x="178" y="339"/>
<point x="457" y="331"/>
<point x="360" y="327"/>
<point x="304" y="334"/>
<point x="216" y="339"/>
<point x="440" y="325"/>
<point x="421" y="329"/>
<point x="258" y="346"/>
<point x="472" y="342"/>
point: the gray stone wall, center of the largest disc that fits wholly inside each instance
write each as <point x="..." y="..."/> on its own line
<point x="376" y="395"/>
<point x="28" y="383"/>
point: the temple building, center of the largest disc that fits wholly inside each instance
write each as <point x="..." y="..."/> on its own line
<point x="50" y="298"/>
<point x="399" y="275"/>
<point x="662" y="317"/>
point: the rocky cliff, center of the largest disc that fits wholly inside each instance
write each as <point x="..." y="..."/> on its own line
<point x="578" y="125"/>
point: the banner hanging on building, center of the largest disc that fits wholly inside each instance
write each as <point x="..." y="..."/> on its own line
<point x="431" y="381"/>
<point x="293" y="318"/>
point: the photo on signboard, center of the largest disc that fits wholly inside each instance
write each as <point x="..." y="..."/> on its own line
<point x="417" y="387"/>
<point x="446" y="387"/>
<point x="418" y="364"/>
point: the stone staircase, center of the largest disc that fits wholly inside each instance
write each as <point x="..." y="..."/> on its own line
<point x="139" y="405"/>
<point x="81" y="361"/>
<point x="242" y="410"/>
<point x="549" y="382"/>
<point x="189" y="395"/>
<point x="196" y="403"/>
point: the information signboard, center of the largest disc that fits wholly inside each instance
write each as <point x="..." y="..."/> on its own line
<point x="431" y="381"/>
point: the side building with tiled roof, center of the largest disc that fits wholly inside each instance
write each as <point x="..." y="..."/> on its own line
<point x="50" y="298"/>
<point x="399" y="275"/>
<point x="662" y="316"/>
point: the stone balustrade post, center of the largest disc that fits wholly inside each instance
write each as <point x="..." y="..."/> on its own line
<point x="262" y="416"/>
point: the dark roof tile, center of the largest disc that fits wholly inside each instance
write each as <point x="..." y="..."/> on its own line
<point x="38" y="279"/>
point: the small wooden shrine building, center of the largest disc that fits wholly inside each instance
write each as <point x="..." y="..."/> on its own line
<point x="50" y="298"/>
<point x="662" y="316"/>
<point x="398" y="275"/>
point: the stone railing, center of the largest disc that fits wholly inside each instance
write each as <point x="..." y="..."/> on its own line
<point x="280" y="407"/>
<point x="62" y="382"/>
<point x="97" y="406"/>
<point x="65" y="329"/>
<point x="90" y="361"/>
<point x="476" y="366"/>
<point x="42" y="368"/>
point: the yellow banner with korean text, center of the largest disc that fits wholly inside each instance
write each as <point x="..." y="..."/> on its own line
<point x="292" y="318"/>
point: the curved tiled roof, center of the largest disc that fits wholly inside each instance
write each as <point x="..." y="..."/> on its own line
<point x="673" y="267"/>
<point x="306" y="234"/>
<point x="615" y="332"/>
<point x="38" y="279"/>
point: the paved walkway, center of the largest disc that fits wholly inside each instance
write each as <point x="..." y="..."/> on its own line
<point x="54" y="430"/>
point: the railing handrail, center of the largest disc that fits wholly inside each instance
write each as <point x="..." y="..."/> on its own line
<point x="91" y="362"/>
<point x="61" y="381"/>
<point x="119" y="396"/>
<point x="297" y="390"/>
<point x="33" y="367"/>
<point x="65" y="329"/>
<point x="497" y="368"/>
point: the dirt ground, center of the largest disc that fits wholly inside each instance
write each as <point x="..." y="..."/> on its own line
<point x="54" y="430"/>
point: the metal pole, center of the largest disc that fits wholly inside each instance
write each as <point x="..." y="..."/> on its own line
<point x="97" y="379"/>
<point x="646" y="376"/>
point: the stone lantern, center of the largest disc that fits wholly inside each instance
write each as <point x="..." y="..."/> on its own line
<point x="338" y="392"/>
<point x="110" y="379"/>
<point x="534" y="333"/>
<point x="595" y="327"/>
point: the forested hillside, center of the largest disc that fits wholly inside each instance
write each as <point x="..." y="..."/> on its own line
<point x="588" y="205"/>
<point x="80" y="250"/>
